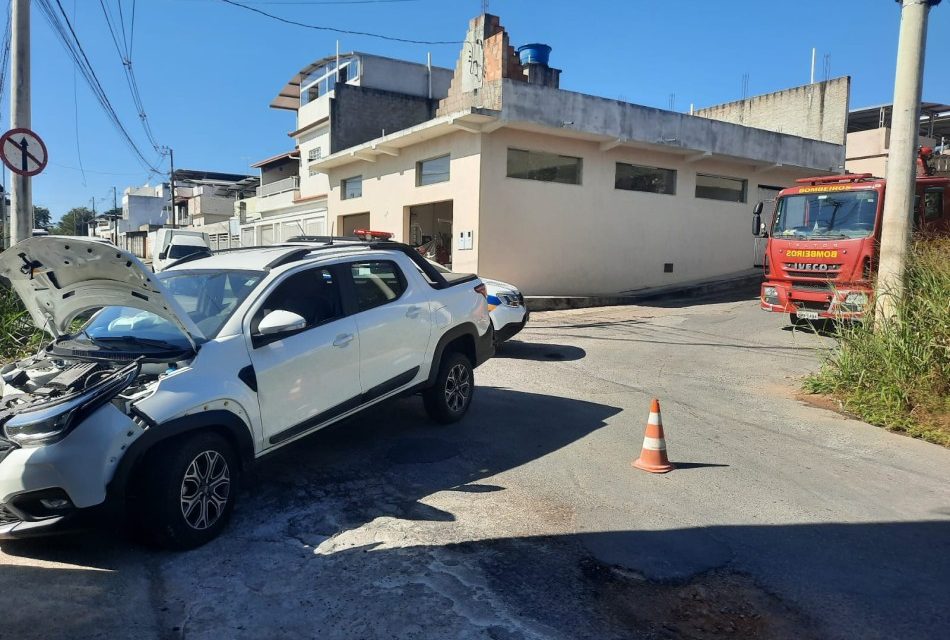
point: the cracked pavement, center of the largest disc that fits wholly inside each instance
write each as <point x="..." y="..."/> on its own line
<point x="527" y="521"/>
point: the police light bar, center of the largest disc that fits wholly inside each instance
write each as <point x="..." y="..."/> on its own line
<point x="367" y="234"/>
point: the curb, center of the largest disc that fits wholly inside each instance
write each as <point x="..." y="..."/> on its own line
<point x="698" y="289"/>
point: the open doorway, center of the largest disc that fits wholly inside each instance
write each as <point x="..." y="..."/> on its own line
<point x="430" y="230"/>
<point x="349" y="224"/>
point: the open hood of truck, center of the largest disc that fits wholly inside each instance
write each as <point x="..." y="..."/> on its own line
<point x="59" y="277"/>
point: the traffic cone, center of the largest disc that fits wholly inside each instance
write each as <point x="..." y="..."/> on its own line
<point x="653" y="455"/>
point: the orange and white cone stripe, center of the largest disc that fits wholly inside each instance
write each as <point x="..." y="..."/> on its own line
<point x="653" y="454"/>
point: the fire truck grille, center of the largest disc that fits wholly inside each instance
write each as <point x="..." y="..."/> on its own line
<point x="813" y="275"/>
<point x="815" y="305"/>
<point x="808" y="286"/>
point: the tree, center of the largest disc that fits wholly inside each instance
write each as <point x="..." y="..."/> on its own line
<point x="41" y="218"/>
<point x="74" y="222"/>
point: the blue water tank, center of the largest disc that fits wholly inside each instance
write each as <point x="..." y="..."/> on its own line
<point x="535" y="53"/>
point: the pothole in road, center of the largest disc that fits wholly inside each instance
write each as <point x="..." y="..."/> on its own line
<point x="713" y="606"/>
<point x="421" y="451"/>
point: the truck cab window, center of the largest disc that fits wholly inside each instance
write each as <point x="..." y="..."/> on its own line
<point x="933" y="203"/>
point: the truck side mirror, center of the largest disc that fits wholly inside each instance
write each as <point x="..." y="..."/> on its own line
<point x="757" y="220"/>
<point x="162" y="255"/>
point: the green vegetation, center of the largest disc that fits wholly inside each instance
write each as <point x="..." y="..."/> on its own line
<point x="18" y="336"/>
<point x="898" y="376"/>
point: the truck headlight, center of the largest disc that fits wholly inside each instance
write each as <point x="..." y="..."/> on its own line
<point x="856" y="299"/>
<point x="770" y="294"/>
<point x="53" y="422"/>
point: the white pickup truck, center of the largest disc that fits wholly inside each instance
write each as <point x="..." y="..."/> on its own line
<point x="157" y="390"/>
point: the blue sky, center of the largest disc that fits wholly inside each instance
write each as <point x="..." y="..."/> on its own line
<point x="207" y="70"/>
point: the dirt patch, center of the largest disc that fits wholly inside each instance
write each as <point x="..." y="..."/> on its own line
<point x="713" y="606"/>
<point x="825" y="402"/>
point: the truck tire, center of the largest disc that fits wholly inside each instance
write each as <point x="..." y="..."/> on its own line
<point x="188" y="491"/>
<point x="449" y="398"/>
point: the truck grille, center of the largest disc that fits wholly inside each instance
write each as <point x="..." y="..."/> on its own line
<point x="816" y="305"/>
<point x="813" y="275"/>
<point x="807" y="286"/>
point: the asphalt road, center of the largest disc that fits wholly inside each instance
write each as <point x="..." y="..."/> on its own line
<point x="783" y="520"/>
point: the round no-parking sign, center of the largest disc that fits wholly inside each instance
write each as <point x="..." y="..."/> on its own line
<point x="23" y="151"/>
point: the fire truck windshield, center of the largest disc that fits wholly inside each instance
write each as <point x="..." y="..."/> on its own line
<point x="841" y="214"/>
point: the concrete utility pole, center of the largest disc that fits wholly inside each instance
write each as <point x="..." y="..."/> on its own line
<point x="902" y="161"/>
<point x="171" y="180"/>
<point x="21" y="197"/>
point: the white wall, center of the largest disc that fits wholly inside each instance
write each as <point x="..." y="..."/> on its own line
<point x="142" y="210"/>
<point x="389" y="189"/>
<point x="564" y="239"/>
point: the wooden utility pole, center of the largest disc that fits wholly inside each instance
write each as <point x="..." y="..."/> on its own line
<point x="897" y="222"/>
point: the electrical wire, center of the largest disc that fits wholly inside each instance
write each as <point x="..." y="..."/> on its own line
<point x="334" y="29"/>
<point x="82" y="169"/>
<point x="125" y="57"/>
<point x="5" y="57"/>
<point x="314" y="2"/>
<point x="63" y="29"/>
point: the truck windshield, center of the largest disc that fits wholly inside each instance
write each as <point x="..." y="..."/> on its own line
<point x="843" y="214"/>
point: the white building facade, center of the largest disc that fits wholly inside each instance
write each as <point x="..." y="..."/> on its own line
<point x="339" y="102"/>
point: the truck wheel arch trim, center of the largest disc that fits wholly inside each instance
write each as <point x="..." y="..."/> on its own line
<point x="227" y="421"/>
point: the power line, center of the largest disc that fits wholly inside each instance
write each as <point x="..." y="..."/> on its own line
<point x="5" y="57"/>
<point x="328" y="1"/>
<point x="76" y="109"/>
<point x="63" y="29"/>
<point x="125" y="57"/>
<point x="335" y="30"/>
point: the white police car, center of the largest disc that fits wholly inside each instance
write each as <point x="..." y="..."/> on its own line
<point x="506" y="306"/>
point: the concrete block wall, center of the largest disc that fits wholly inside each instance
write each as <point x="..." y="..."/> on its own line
<point x="818" y="111"/>
<point x="360" y="114"/>
<point x="488" y="52"/>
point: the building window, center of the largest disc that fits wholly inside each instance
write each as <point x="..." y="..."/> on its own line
<point x="432" y="170"/>
<point x="351" y="187"/>
<point x="315" y="154"/>
<point x="720" y="188"/>
<point x="547" y="167"/>
<point x="632" y="177"/>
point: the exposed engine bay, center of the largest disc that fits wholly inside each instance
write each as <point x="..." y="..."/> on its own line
<point x="40" y="380"/>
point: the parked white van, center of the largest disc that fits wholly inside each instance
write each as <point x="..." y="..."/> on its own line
<point x="171" y="245"/>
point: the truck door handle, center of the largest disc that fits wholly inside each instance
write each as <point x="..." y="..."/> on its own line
<point x="413" y="311"/>
<point x="343" y="339"/>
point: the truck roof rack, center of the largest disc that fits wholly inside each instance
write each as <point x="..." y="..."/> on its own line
<point x="850" y="177"/>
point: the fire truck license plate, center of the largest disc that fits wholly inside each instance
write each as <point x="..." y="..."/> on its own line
<point x="806" y="314"/>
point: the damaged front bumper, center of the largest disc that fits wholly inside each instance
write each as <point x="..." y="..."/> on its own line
<point x="59" y="486"/>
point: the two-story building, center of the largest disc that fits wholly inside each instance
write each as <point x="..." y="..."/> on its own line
<point x="339" y="102"/>
<point x="564" y="193"/>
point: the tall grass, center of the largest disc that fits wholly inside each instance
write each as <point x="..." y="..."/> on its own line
<point x="898" y="375"/>
<point x="18" y="336"/>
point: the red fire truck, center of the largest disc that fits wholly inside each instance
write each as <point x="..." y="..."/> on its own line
<point x="823" y="241"/>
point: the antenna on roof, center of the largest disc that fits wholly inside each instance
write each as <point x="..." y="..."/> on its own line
<point x="484" y="6"/>
<point x="330" y="242"/>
